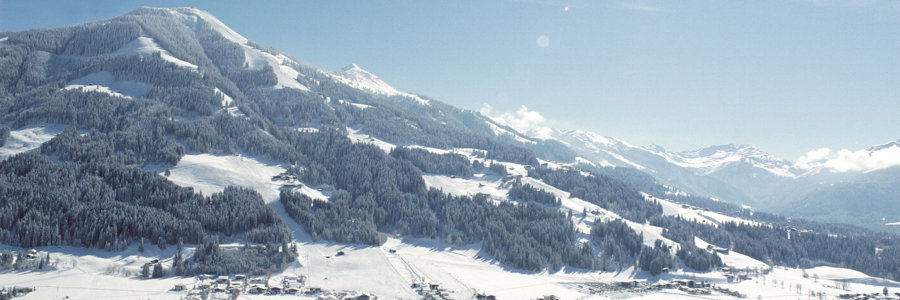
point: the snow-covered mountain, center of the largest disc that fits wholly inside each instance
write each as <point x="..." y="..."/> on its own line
<point x="705" y="161"/>
<point x="712" y="159"/>
<point x="745" y="174"/>
<point x="166" y="125"/>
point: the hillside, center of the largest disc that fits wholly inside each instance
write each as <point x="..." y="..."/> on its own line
<point x="165" y="127"/>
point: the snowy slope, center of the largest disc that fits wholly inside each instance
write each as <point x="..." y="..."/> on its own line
<point x="28" y="138"/>
<point x="711" y="159"/>
<point x="210" y="173"/>
<point x="104" y="82"/>
<point x="654" y="158"/>
<point x="732" y="258"/>
<point x="357" y="78"/>
<point x="254" y="58"/>
<point x="146" y="46"/>
<point x="696" y="214"/>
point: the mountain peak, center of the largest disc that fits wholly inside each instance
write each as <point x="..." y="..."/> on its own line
<point x="726" y="148"/>
<point x="355" y="68"/>
<point x="193" y="16"/>
<point x="355" y="76"/>
<point x="714" y="158"/>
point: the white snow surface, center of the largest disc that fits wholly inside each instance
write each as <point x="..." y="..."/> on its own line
<point x="734" y="259"/>
<point x="79" y="273"/>
<point x="702" y="162"/>
<point x="356" y="77"/>
<point x="226" y="100"/>
<point x="105" y="82"/>
<point x="197" y="14"/>
<point x="286" y="75"/>
<point x="146" y="46"/>
<point x="210" y="173"/>
<point x="354" y="104"/>
<point x="357" y="136"/>
<point x="695" y="214"/>
<point x="256" y="59"/>
<point x="28" y="138"/>
<point x="491" y="185"/>
<point x="711" y="159"/>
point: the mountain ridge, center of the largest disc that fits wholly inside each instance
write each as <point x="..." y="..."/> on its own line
<point x="328" y="167"/>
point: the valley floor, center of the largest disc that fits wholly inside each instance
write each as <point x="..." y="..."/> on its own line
<point x="389" y="272"/>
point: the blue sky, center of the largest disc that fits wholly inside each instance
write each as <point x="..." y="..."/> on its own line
<point x="787" y="76"/>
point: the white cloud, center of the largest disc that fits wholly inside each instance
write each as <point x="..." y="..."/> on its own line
<point x="847" y="160"/>
<point x="485" y="109"/>
<point x="813" y="158"/>
<point x="524" y="120"/>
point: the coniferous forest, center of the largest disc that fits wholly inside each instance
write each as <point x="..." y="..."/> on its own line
<point x="97" y="185"/>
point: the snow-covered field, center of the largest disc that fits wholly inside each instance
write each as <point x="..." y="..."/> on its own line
<point x="357" y="136"/>
<point x="733" y="259"/>
<point x="104" y="82"/>
<point x="209" y="173"/>
<point x="388" y="272"/>
<point x="29" y="137"/>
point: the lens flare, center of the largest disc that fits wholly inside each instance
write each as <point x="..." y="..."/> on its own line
<point x="543" y="41"/>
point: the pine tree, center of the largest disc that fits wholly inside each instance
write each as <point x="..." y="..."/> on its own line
<point x="178" y="261"/>
<point x="141" y="246"/>
<point x="158" y="271"/>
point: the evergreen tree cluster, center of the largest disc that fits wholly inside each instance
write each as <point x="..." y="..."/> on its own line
<point x="656" y="259"/>
<point x="428" y="162"/>
<point x="109" y="205"/>
<point x="4" y="135"/>
<point x="789" y="246"/>
<point x="608" y="193"/>
<point x="618" y="242"/>
<point x="210" y="258"/>
<point x="523" y="236"/>
<point x="696" y="258"/>
<point x="87" y="186"/>
<point x="527" y="193"/>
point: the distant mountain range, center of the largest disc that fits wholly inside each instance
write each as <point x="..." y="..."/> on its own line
<point x="828" y="187"/>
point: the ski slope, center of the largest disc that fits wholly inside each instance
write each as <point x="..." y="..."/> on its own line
<point x="210" y="173"/>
